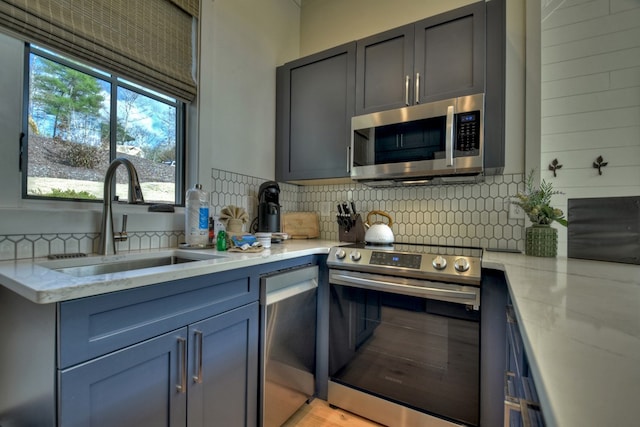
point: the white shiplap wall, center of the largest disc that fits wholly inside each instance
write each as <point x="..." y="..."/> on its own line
<point x="591" y="98"/>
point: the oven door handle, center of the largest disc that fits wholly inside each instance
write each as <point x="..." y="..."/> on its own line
<point x="465" y="297"/>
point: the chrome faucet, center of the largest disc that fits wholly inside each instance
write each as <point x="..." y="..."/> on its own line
<point x="107" y="236"/>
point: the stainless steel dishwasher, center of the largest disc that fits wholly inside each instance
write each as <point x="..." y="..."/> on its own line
<point x="288" y="302"/>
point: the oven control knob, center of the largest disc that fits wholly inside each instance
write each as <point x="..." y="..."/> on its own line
<point x="461" y="265"/>
<point x="356" y="256"/>
<point x="340" y="254"/>
<point x="439" y="263"/>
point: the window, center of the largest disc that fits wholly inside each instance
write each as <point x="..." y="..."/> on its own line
<point x="80" y="118"/>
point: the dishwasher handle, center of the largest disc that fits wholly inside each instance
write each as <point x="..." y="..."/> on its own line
<point x="286" y="284"/>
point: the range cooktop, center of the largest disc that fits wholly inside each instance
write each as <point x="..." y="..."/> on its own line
<point x="459" y="264"/>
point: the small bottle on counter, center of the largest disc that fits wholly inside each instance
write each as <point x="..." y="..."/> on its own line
<point x="212" y="233"/>
<point x="221" y="241"/>
<point x="196" y="217"/>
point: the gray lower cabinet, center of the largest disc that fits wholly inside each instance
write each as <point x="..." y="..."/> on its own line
<point x="177" y="353"/>
<point x="223" y="374"/>
<point x="521" y="402"/>
<point x="193" y="376"/>
<point x="508" y="395"/>
<point x="131" y="387"/>
<point x="314" y="106"/>
<point x="438" y="57"/>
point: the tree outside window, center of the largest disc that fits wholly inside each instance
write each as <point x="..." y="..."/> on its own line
<point x="75" y="130"/>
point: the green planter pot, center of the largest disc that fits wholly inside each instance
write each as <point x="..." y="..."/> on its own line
<point x="541" y="240"/>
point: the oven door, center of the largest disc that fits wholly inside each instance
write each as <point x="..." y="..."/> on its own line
<point x="411" y="342"/>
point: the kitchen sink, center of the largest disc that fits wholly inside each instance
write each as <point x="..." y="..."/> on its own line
<point x="92" y="266"/>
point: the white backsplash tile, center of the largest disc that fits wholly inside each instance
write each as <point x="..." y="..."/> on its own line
<point x="470" y="214"/>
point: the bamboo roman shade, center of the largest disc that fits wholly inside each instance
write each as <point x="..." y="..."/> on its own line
<point x="148" y="41"/>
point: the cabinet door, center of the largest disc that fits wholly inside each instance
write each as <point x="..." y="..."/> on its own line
<point x="133" y="387"/>
<point x="315" y="103"/>
<point x="385" y="70"/>
<point x="449" y="53"/>
<point x="224" y="391"/>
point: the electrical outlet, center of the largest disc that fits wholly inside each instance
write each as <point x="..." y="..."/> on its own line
<point x="217" y="224"/>
<point x="325" y="208"/>
<point x="515" y="211"/>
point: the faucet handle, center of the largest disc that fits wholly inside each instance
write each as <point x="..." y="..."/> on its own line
<point x="122" y="236"/>
<point x="138" y="197"/>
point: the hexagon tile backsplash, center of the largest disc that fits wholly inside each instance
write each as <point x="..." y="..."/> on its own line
<point x="465" y="215"/>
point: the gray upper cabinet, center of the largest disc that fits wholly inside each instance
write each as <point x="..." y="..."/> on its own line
<point x="314" y="106"/>
<point x="494" y="111"/>
<point x="440" y="57"/>
<point x="437" y="58"/>
<point x="450" y="54"/>
<point x="384" y="70"/>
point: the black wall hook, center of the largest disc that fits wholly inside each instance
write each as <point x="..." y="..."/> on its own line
<point x="599" y="164"/>
<point x="554" y="166"/>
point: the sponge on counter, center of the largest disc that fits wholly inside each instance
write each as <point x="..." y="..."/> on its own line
<point x="245" y="239"/>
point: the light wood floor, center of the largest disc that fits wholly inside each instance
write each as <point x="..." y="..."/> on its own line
<point x="318" y="413"/>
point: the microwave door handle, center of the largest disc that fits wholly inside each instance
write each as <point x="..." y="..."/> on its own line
<point x="449" y="137"/>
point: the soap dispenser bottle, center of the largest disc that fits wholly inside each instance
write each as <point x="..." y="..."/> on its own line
<point x="196" y="215"/>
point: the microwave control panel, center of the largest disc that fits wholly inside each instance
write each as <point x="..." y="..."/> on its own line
<point x="468" y="133"/>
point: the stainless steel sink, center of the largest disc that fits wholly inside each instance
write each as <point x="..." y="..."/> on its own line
<point x="83" y="267"/>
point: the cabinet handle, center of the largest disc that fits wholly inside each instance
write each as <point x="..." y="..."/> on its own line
<point x="182" y="351"/>
<point x="197" y="378"/>
<point x="406" y="89"/>
<point x="449" y="137"/>
<point x="401" y="140"/>
<point x="417" y="88"/>
<point x="348" y="159"/>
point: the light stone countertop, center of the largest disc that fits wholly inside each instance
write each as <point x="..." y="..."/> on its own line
<point x="580" y="323"/>
<point x="42" y="285"/>
<point x="580" y="320"/>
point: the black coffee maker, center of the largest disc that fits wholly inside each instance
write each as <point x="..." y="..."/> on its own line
<point x="269" y="207"/>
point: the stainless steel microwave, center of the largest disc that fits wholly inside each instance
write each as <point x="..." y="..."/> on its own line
<point x="442" y="141"/>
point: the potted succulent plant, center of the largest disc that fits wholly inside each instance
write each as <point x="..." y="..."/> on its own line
<point x="541" y="238"/>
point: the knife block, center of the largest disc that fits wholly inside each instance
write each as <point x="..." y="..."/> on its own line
<point x="355" y="234"/>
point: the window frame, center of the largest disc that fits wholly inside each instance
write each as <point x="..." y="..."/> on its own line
<point x="115" y="82"/>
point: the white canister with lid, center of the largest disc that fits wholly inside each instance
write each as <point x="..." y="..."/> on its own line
<point x="264" y="239"/>
<point x="196" y="217"/>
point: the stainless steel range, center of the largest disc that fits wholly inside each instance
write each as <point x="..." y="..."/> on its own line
<point x="404" y="333"/>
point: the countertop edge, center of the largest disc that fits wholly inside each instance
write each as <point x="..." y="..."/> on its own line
<point x="41" y="285"/>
